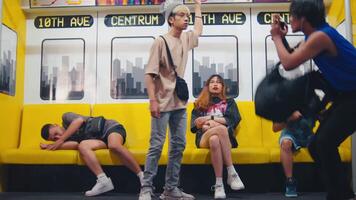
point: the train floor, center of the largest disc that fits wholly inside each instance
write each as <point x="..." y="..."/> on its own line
<point x="121" y="196"/>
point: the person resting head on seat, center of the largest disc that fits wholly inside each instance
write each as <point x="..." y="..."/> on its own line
<point x="76" y="134"/>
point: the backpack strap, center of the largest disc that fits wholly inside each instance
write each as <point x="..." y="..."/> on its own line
<point x="170" y="60"/>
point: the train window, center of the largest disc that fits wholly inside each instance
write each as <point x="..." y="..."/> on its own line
<point x="8" y="61"/>
<point x="216" y="54"/>
<point x="128" y="60"/>
<point x="62" y="69"/>
<point x="272" y="57"/>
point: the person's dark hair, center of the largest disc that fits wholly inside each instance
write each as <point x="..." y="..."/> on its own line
<point x="312" y="10"/>
<point x="45" y="131"/>
<point x="171" y="15"/>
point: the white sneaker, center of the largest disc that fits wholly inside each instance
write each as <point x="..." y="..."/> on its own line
<point x="175" y="194"/>
<point x="100" y="187"/>
<point x="219" y="191"/>
<point x="235" y="182"/>
<point x="145" y="193"/>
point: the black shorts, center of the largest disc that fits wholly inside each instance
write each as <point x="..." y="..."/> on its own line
<point x="115" y="129"/>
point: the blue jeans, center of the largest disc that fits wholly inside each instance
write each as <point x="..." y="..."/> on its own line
<point x="298" y="132"/>
<point x="177" y="121"/>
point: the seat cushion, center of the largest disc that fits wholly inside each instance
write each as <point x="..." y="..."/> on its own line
<point x="37" y="156"/>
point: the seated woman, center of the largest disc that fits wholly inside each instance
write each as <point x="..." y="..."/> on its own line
<point x="74" y="135"/>
<point x="214" y="119"/>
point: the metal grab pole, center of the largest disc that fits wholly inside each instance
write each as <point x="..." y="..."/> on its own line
<point x="2" y="179"/>
<point x="348" y="20"/>
<point x="348" y="27"/>
<point x="1" y="6"/>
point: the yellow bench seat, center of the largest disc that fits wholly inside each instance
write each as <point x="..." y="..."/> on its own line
<point x="271" y="141"/>
<point x="33" y="118"/>
<point x="248" y="133"/>
<point x="136" y="119"/>
<point x="257" y="143"/>
<point x="38" y="156"/>
<point x="303" y="155"/>
<point x="242" y="155"/>
<point x="106" y="157"/>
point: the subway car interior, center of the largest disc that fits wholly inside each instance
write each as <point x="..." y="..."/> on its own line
<point x="113" y="42"/>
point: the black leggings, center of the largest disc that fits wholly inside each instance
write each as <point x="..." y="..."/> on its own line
<point x="338" y="124"/>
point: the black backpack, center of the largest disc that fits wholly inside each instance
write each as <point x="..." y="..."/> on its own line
<point x="94" y="126"/>
<point x="277" y="98"/>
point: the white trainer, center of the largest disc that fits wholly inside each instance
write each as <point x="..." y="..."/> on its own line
<point x="219" y="191"/>
<point x="175" y="194"/>
<point x="235" y="182"/>
<point x="100" y="187"/>
<point x="145" y="193"/>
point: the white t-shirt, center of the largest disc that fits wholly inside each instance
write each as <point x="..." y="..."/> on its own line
<point x="294" y="73"/>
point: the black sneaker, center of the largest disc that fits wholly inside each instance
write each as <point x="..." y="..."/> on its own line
<point x="291" y="188"/>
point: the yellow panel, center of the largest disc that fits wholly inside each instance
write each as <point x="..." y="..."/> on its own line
<point x="250" y="155"/>
<point x="345" y="154"/>
<point x="11" y="106"/>
<point x="336" y="15"/>
<point x="269" y="138"/>
<point x="240" y="155"/>
<point x="249" y="131"/>
<point x="38" y="156"/>
<point x="136" y="119"/>
<point x="300" y="156"/>
<point x="106" y="157"/>
<point x="35" y="116"/>
<point x="346" y="143"/>
<point x="10" y="117"/>
<point x="190" y="136"/>
<point x="304" y="156"/>
<point x="249" y="137"/>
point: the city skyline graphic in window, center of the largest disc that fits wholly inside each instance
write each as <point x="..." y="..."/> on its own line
<point x="8" y="61"/>
<point x="129" y="58"/>
<point x="272" y="57"/>
<point x="216" y="55"/>
<point x="62" y="69"/>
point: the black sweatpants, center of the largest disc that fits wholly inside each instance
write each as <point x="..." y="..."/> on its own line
<point x="338" y="124"/>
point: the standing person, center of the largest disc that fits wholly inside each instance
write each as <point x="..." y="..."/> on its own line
<point x="166" y="108"/>
<point x="72" y="135"/>
<point x="296" y="133"/>
<point x="214" y="120"/>
<point x="336" y="59"/>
